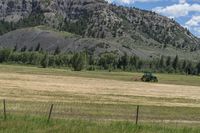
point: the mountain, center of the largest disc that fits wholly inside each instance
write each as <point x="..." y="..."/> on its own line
<point x="95" y="26"/>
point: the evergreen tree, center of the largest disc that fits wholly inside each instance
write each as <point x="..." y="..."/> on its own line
<point x="168" y="61"/>
<point x="161" y="62"/>
<point x="124" y="61"/>
<point x="38" y="47"/>
<point x="78" y="62"/>
<point x="15" y="48"/>
<point x="107" y="61"/>
<point x="23" y="49"/>
<point x="57" y="50"/>
<point x="198" y="68"/>
<point x="140" y="64"/>
<point x="175" y="63"/>
<point x="184" y="65"/>
<point x="45" y="61"/>
<point x="4" y="55"/>
<point x="134" y="61"/>
<point x="189" y="68"/>
<point x="41" y="50"/>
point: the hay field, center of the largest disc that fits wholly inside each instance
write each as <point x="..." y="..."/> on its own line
<point x="32" y="91"/>
<point x="37" y="87"/>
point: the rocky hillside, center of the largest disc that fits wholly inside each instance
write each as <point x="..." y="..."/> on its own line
<point x="129" y="28"/>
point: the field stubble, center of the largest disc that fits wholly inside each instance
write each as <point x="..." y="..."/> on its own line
<point x="97" y="98"/>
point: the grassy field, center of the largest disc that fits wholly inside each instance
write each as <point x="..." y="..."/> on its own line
<point x="98" y="101"/>
<point x="39" y="125"/>
<point x="176" y="79"/>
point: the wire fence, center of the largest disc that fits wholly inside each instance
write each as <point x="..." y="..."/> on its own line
<point x="101" y="111"/>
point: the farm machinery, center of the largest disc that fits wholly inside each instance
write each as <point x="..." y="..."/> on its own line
<point x="149" y="77"/>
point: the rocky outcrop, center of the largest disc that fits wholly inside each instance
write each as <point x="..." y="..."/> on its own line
<point x="98" y="19"/>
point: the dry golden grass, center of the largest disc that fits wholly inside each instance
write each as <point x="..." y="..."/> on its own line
<point x="98" y="95"/>
<point x="29" y="87"/>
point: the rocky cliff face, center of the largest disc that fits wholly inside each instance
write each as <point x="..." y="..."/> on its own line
<point x="14" y="10"/>
<point x="93" y="14"/>
<point x="97" y="19"/>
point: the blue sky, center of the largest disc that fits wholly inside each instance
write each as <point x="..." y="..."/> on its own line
<point x="186" y="12"/>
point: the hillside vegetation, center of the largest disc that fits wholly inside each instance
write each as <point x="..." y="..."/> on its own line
<point x="107" y="61"/>
<point x="101" y="27"/>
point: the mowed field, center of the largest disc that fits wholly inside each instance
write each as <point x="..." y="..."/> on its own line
<point x="46" y="87"/>
<point x="100" y="96"/>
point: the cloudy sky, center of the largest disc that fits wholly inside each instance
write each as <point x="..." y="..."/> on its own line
<point x="186" y="12"/>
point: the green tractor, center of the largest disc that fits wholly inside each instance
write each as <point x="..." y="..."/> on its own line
<point x="149" y="77"/>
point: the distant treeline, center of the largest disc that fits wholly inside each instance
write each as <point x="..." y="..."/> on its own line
<point x="106" y="61"/>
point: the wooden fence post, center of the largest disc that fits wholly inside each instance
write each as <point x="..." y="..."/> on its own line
<point x="50" y="112"/>
<point x="4" y="109"/>
<point x="137" y="115"/>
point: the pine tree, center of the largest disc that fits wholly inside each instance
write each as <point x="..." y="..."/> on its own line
<point x="168" y="61"/>
<point x="38" y="47"/>
<point x="23" y="49"/>
<point x="198" y="68"/>
<point x="161" y="62"/>
<point x="4" y="55"/>
<point x="15" y="48"/>
<point x="175" y="63"/>
<point x="125" y="61"/>
<point x="78" y="61"/>
<point x="57" y="50"/>
<point x="184" y="65"/>
<point x="45" y="61"/>
<point x="189" y="68"/>
<point x="134" y="61"/>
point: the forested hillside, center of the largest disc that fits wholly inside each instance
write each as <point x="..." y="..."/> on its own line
<point x="96" y="27"/>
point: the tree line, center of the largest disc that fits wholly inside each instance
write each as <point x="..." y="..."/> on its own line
<point x="107" y="61"/>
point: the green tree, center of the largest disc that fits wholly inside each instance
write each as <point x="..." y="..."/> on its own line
<point x="175" y="62"/>
<point x="78" y="61"/>
<point x="161" y="62"/>
<point x="189" y="68"/>
<point x="133" y="62"/>
<point x="15" y="48"/>
<point x="168" y="61"/>
<point x="5" y="54"/>
<point x="57" y="50"/>
<point x="124" y="61"/>
<point x="184" y="65"/>
<point x="23" y="49"/>
<point x="107" y="61"/>
<point x="198" y="68"/>
<point x="36" y="58"/>
<point x="38" y="47"/>
<point x="140" y="64"/>
<point x="45" y="61"/>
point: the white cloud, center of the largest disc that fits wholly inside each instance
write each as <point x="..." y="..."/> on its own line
<point x="194" y="21"/>
<point x="182" y="1"/>
<point x="183" y="9"/>
<point x="194" y="25"/>
<point x="178" y="10"/>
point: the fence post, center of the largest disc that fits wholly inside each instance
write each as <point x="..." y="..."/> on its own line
<point x="137" y="115"/>
<point x="4" y="108"/>
<point x="50" y="112"/>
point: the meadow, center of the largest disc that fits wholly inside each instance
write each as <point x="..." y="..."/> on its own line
<point x="39" y="125"/>
<point x="97" y="101"/>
